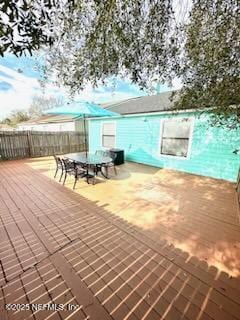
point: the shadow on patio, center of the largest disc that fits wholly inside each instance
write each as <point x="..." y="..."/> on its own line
<point x="196" y="214"/>
<point x="78" y="252"/>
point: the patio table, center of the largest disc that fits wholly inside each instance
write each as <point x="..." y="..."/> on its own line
<point x="90" y="159"/>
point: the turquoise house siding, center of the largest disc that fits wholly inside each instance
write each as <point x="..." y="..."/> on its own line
<point x="211" y="151"/>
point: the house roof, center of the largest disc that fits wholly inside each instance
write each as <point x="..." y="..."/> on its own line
<point x="50" y="119"/>
<point x="145" y="104"/>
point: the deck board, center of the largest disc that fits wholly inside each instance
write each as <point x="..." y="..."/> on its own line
<point x="58" y="246"/>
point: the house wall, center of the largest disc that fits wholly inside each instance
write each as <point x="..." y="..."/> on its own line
<point x="61" y="126"/>
<point x="79" y="125"/>
<point x="211" y="151"/>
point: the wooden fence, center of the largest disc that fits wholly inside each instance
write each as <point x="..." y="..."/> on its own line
<point x="26" y="144"/>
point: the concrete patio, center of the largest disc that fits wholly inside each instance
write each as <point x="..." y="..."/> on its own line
<point x="196" y="214"/>
<point x="146" y="244"/>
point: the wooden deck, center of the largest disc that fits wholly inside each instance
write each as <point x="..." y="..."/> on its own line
<point x="74" y="251"/>
<point x="198" y="215"/>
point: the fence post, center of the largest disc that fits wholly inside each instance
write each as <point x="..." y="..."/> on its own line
<point x="69" y="146"/>
<point x="29" y="144"/>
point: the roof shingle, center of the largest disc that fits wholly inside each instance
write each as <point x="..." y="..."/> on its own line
<point x="154" y="103"/>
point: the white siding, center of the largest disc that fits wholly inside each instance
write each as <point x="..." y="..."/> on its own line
<point x="64" y="126"/>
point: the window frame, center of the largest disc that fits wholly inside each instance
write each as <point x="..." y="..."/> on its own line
<point x="189" y="140"/>
<point x="101" y="135"/>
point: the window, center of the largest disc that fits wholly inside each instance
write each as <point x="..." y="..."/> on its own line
<point x="108" y="134"/>
<point x="175" y="137"/>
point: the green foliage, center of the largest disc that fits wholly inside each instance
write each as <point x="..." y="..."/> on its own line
<point x="151" y="41"/>
<point x="16" y="117"/>
<point x="144" y="40"/>
<point x="27" y="25"/>
<point x="6" y="121"/>
<point x="38" y="105"/>
<point x="105" y="38"/>
<point x="210" y="67"/>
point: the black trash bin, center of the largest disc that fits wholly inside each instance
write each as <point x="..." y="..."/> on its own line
<point x="119" y="156"/>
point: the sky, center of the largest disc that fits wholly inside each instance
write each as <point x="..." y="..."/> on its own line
<point x="19" y="84"/>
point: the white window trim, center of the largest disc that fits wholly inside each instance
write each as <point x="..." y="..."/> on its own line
<point x="101" y="134"/>
<point x="189" y="141"/>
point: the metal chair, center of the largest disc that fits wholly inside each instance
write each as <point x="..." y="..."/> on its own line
<point x="99" y="152"/>
<point x="80" y="172"/>
<point x="98" y="167"/>
<point x="77" y="170"/>
<point x="69" y="168"/>
<point x="59" y="166"/>
<point x="110" y="164"/>
<point x="85" y="171"/>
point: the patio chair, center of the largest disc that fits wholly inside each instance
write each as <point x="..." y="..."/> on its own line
<point x="83" y="170"/>
<point x="78" y="170"/>
<point x="110" y="164"/>
<point x="105" y="153"/>
<point x="69" y="168"/>
<point x="59" y="166"/>
<point x="99" y="152"/>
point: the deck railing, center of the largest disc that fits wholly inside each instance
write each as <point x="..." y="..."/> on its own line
<point x="26" y="144"/>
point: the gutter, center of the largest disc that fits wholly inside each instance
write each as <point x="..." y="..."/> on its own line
<point x="153" y="113"/>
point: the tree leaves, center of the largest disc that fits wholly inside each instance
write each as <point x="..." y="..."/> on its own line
<point x="25" y="25"/>
<point x="197" y="41"/>
<point x="105" y="38"/>
<point x="210" y="67"/>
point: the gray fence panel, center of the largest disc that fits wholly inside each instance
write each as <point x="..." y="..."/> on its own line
<point x="25" y="144"/>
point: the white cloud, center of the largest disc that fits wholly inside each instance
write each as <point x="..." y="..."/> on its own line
<point x="23" y="88"/>
<point x="102" y="95"/>
<point x="19" y="96"/>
